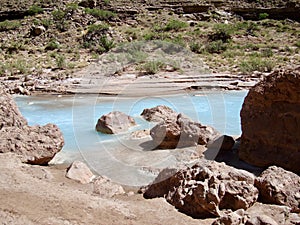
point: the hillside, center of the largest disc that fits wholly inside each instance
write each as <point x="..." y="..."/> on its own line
<point x="54" y="38"/>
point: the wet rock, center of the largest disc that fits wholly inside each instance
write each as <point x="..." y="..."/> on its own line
<point x="270" y="119"/>
<point x="80" y="172"/>
<point x="114" y="123"/>
<point x="278" y="186"/>
<point x="10" y="115"/>
<point x="159" y="114"/>
<point x="203" y="191"/>
<point x="37" y="144"/>
<point x="106" y="188"/>
<point x="181" y="133"/>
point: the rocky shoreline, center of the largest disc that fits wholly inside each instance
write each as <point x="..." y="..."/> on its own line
<point x="207" y="192"/>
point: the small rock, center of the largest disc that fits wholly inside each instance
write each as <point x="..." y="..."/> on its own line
<point x="80" y="172"/>
<point x="105" y="188"/>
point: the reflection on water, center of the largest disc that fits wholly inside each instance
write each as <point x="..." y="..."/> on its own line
<point x="111" y="154"/>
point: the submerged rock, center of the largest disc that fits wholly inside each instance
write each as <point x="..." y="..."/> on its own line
<point x="278" y="186"/>
<point x="203" y="191"/>
<point x="159" y="114"/>
<point x="80" y="172"/>
<point x="181" y="133"/>
<point x="37" y="144"/>
<point x="270" y="119"/>
<point x="114" y="123"/>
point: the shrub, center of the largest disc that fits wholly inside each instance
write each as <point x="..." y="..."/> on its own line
<point x="105" y="43"/>
<point x="221" y="32"/>
<point x="297" y="44"/>
<point x="216" y="47"/>
<point x="9" y="25"/>
<point x="58" y="14"/>
<point x="34" y="9"/>
<point x="97" y="27"/>
<point x="60" y="61"/>
<point x="175" y="25"/>
<point x="152" y="67"/>
<point x="195" y="47"/>
<point x="100" y="14"/>
<point x="256" y="64"/>
<point x="52" y="45"/>
<point x="263" y="16"/>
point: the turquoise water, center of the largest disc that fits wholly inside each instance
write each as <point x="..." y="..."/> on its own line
<point x="109" y="154"/>
<point x="77" y="116"/>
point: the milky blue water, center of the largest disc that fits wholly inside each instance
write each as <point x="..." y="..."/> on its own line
<point x="118" y="157"/>
<point x="77" y="116"/>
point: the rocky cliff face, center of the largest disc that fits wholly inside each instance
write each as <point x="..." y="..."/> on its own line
<point x="37" y="144"/>
<point x="271" y="122"/>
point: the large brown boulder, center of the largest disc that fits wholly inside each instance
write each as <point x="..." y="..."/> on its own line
<point x="9" y="112"/>
<point x="37" y="144"/>
<point x="270" y="119"/>
<point x="159" y="114"/>
<point x="114" y="123"/>
<point x="181" y="133"/>
<point x="278" y="186"/>
<point x="203" y="191"/>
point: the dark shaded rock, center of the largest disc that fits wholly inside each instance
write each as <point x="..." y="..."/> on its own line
<point x="224" y="143"/>
<point x="181" y="133"/>
<point x="202" y="191"/>
<point x="114" y="123"/>
<point x="159" y="114"/>
<point x="37" y="30"/>
<point x="88" y="3"/>
<point x="270" y="119"/>
<point x="278" y="186"/>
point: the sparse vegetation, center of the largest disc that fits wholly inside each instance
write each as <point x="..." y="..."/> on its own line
<point x="35" y="9"/>
<point x="100" y="14"/>
<point x="9" y="25"/>
<point x="256" y="64"/>
<point x="175" y="25"/>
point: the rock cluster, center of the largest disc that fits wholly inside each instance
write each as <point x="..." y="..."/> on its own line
<point x="270" y="119"/>
<point x="203" y="191"/>
<point x="181" y="132"/>
<point x="37" y="144"/>
<point x="114" y="123"/>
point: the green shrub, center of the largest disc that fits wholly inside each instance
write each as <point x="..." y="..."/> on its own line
<point x="60" y="61"/>
<point x="152" y="67"/>
<point x="100" y="14"/>
<point x="256" y="64"/>
<point x="97" y="27"/>
<point x="297" y="44"/>
<point x="52" y="45"/>
<point x="9" y="25"/>
<point x="263" y="16"/>
<point x="34" y="9"/>
<point x="58" y="14"/>
<point x="195" y="47"/>
<point x="175" y="25"/>
<point x="216" y="47"/>
<point x="105" y="43"/>
<point x="267" y="52"/>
